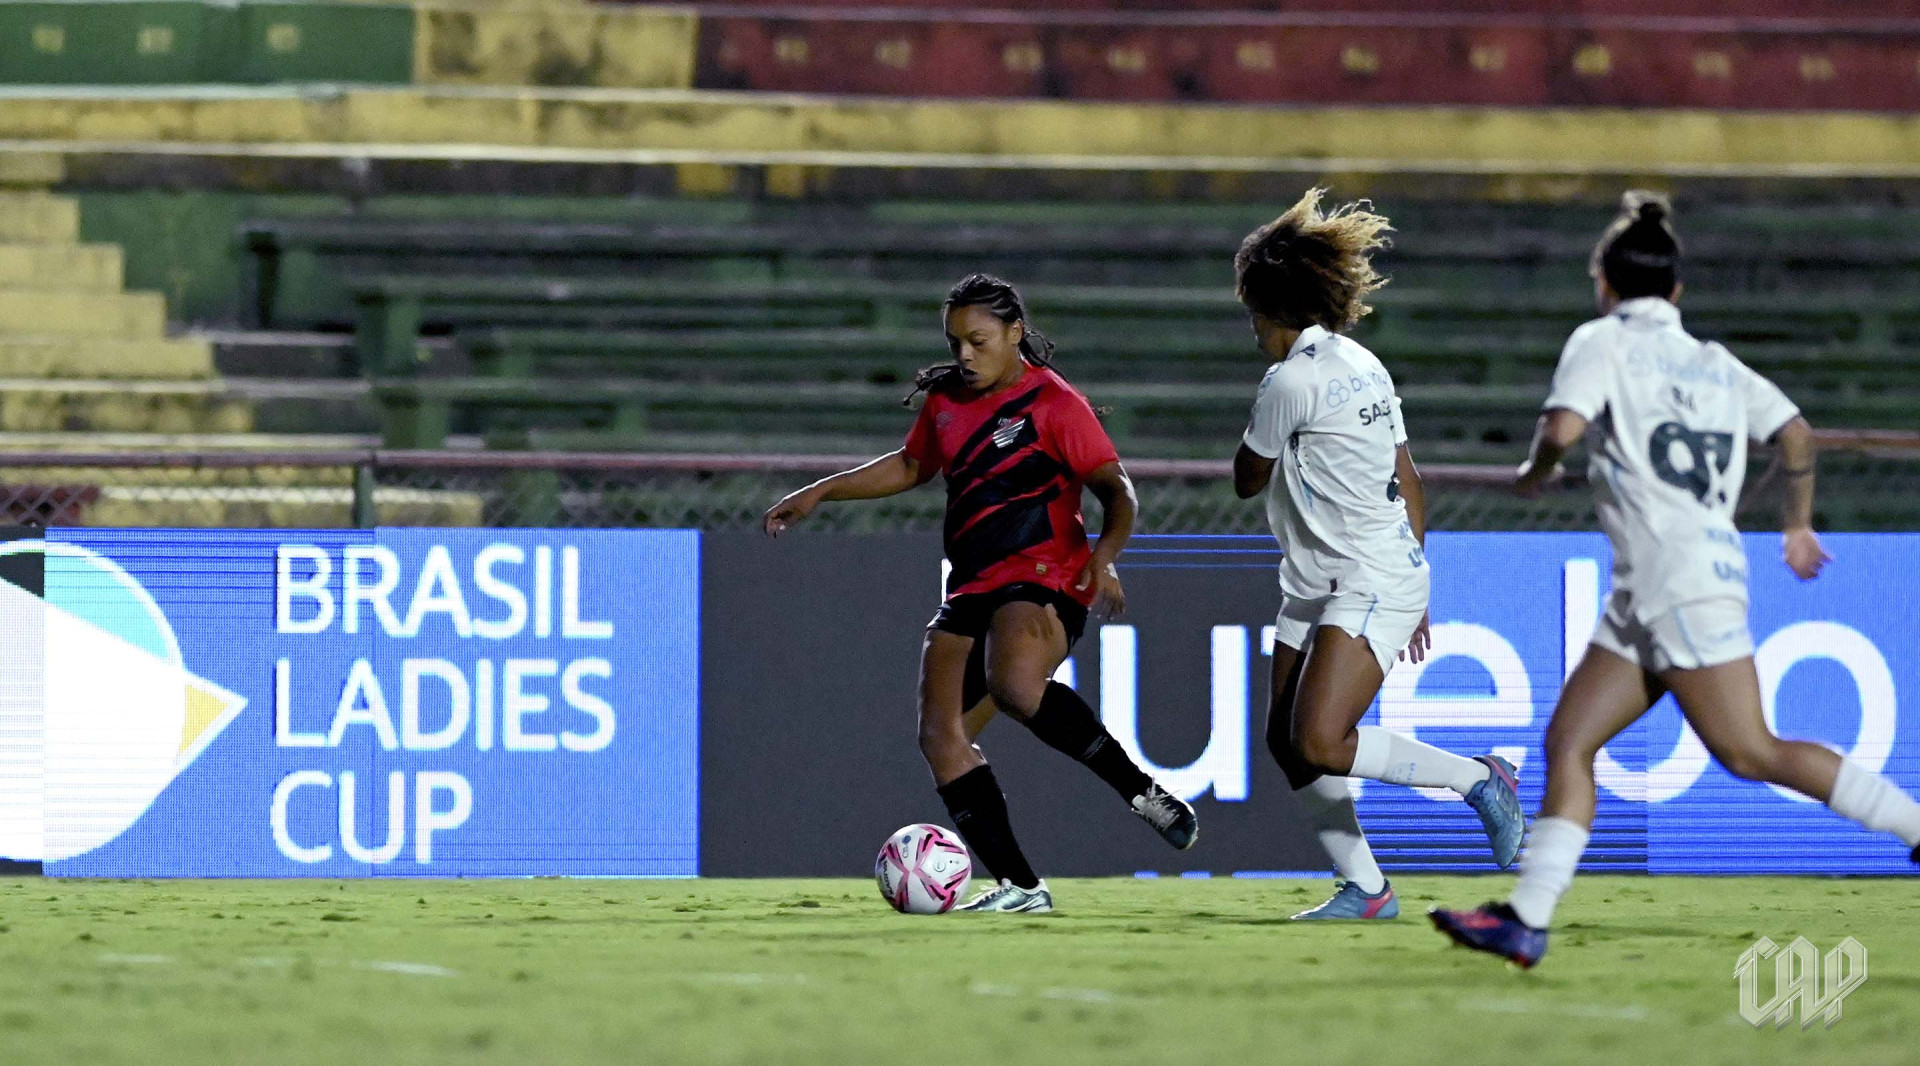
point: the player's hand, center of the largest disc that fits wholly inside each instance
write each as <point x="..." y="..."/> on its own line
<point x="789" y="511"/>
<point x="1106" y="585"/>
<point x="1803" y="553"/>
<point x="1530" y="481"/>
<point x="1422" y="642"/>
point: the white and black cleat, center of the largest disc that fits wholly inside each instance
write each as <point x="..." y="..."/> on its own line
<point x="1009" y="898"/>
<point x="1169" y="815"/>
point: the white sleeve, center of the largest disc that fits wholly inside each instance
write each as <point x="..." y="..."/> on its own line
<point x="1768" y="409"/>
<point x="1580" y="381"/>
<point x="1281" y="407"/>
<point x="1399" y="423"/>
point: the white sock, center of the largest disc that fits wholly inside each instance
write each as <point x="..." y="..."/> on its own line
<point x="1397" y="759"/>
<point x="1546" y="870"/>
<point x="1875" y="802"/>
<point x="1329" y="804"/>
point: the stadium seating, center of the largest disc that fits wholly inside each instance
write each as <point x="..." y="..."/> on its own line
<point x="797" y="328"/>
<point x="87" y="367"/>
<point x="1498" y="54"/>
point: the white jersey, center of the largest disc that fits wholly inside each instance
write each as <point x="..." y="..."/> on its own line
<point x="1334" y="501"/>
<point x="1669" y="419"/>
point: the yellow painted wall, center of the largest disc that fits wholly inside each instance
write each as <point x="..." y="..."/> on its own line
<point x="756" y="126"/>
<point x="554" y="44"/>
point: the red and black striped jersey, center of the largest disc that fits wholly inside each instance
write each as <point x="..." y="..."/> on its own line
<point x="1015" y="463"/>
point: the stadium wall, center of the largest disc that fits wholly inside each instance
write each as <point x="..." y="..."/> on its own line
<point x="642" y="702"/>
<point x="700" y="128"/>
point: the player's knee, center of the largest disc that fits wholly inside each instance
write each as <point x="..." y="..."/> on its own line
<point x="1299" y="772"/>
<point x="1017" y="696"/>
<point x="1280" y="746"/>
<point x="1321" y="750"/>
<point x="1750" y="760"/>
<point x="1567" y="750"/>
<point x="940" y="739"/>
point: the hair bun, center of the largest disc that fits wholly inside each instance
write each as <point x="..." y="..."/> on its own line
<point x="1646" y="206"/>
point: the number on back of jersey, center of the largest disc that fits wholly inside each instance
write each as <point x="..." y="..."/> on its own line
<point x="1693" y="460"/>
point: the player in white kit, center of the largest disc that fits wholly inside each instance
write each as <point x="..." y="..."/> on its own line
<point x="1347" y="507"/>
<point x="1667" y="419"/>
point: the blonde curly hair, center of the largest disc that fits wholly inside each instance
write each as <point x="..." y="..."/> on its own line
<point x="1312" y="268"/>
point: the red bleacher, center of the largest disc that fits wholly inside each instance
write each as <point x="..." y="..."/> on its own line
<point x="1861" y="55"/>
<point x="1267" y="63"/>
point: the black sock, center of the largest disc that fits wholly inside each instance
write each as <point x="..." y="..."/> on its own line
<point x="979" y="811"/>
<point x="1066" y="724"/>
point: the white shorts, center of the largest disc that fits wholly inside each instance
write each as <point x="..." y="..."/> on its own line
<point x="1691" y="636"/>
<point x="1386" y="623"/>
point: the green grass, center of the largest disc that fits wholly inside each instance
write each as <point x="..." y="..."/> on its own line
<point x="1169" y="971"/>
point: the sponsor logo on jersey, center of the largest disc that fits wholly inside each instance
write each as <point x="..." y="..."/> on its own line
<point x="1008" y="431"/>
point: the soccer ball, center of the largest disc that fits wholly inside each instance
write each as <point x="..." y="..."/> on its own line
<point x="923" y="869"/>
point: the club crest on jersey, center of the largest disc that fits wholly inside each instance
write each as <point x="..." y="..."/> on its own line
<point x="1008" y="430"/>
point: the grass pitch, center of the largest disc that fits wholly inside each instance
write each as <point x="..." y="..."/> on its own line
<point x="1169" y="971"/>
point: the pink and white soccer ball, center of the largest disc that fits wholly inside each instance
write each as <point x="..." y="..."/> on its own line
<point x="923" y="869"/>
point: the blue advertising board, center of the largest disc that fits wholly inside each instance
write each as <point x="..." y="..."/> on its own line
<point x="1512" y="615"/>
<point x="408" y="702"/>
<point x="391" y="702"/>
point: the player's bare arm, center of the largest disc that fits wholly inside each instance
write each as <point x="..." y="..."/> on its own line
<point x="1121" y="505"/>
<point x="889" y="475"/>
<point x="1556" y="432"/>
<point x="1251" y="472"/>
<point x="1800" y="546"/>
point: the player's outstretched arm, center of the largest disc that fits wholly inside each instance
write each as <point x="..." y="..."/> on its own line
<point x="889" y="475"/>
<point x="1559" y="428"/>
<point x="1799" y="544"/>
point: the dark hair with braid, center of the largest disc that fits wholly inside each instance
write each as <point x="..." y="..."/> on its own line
<point x="1639" y="254"/>
<point x="1002" y="301"/>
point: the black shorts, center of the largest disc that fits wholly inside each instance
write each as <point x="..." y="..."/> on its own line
<point x="971" y="615"/>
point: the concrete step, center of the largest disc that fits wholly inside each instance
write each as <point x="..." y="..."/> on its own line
<point x="83" y="267"/>
<point x="282" y="507"/>
<point x="26" y="356"/>
<point x="86" y="442"/>
<point x="37" y="218"/>
<point x="32" y="169"/>
<point x="261" y="476"/>
<point x="309" y="405"/>
<point x="126" y="315"/>
<point x="276" y="354"/>
<point x="28" y="405"/>
<point x="284" y="354"/>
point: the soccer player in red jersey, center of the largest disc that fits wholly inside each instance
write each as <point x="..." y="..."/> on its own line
<point x="1017" y="444"/>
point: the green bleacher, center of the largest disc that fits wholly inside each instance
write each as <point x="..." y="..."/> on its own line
<point x="797" y="327"/>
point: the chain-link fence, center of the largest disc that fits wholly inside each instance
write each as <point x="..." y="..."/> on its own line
<point x="1868" y="481"/>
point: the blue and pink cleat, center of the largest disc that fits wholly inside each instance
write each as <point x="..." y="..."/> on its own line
<point x="1497" y="801"/>
<point x="1494" y="929"/>
<point x="1350" y="904"/>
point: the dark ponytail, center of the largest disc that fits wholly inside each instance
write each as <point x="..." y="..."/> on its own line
<point x="1003" y="302"/>
<point x="1639" y="254"/>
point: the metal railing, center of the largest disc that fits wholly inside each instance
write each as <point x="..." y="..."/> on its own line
<point x="1868" y="481"/>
